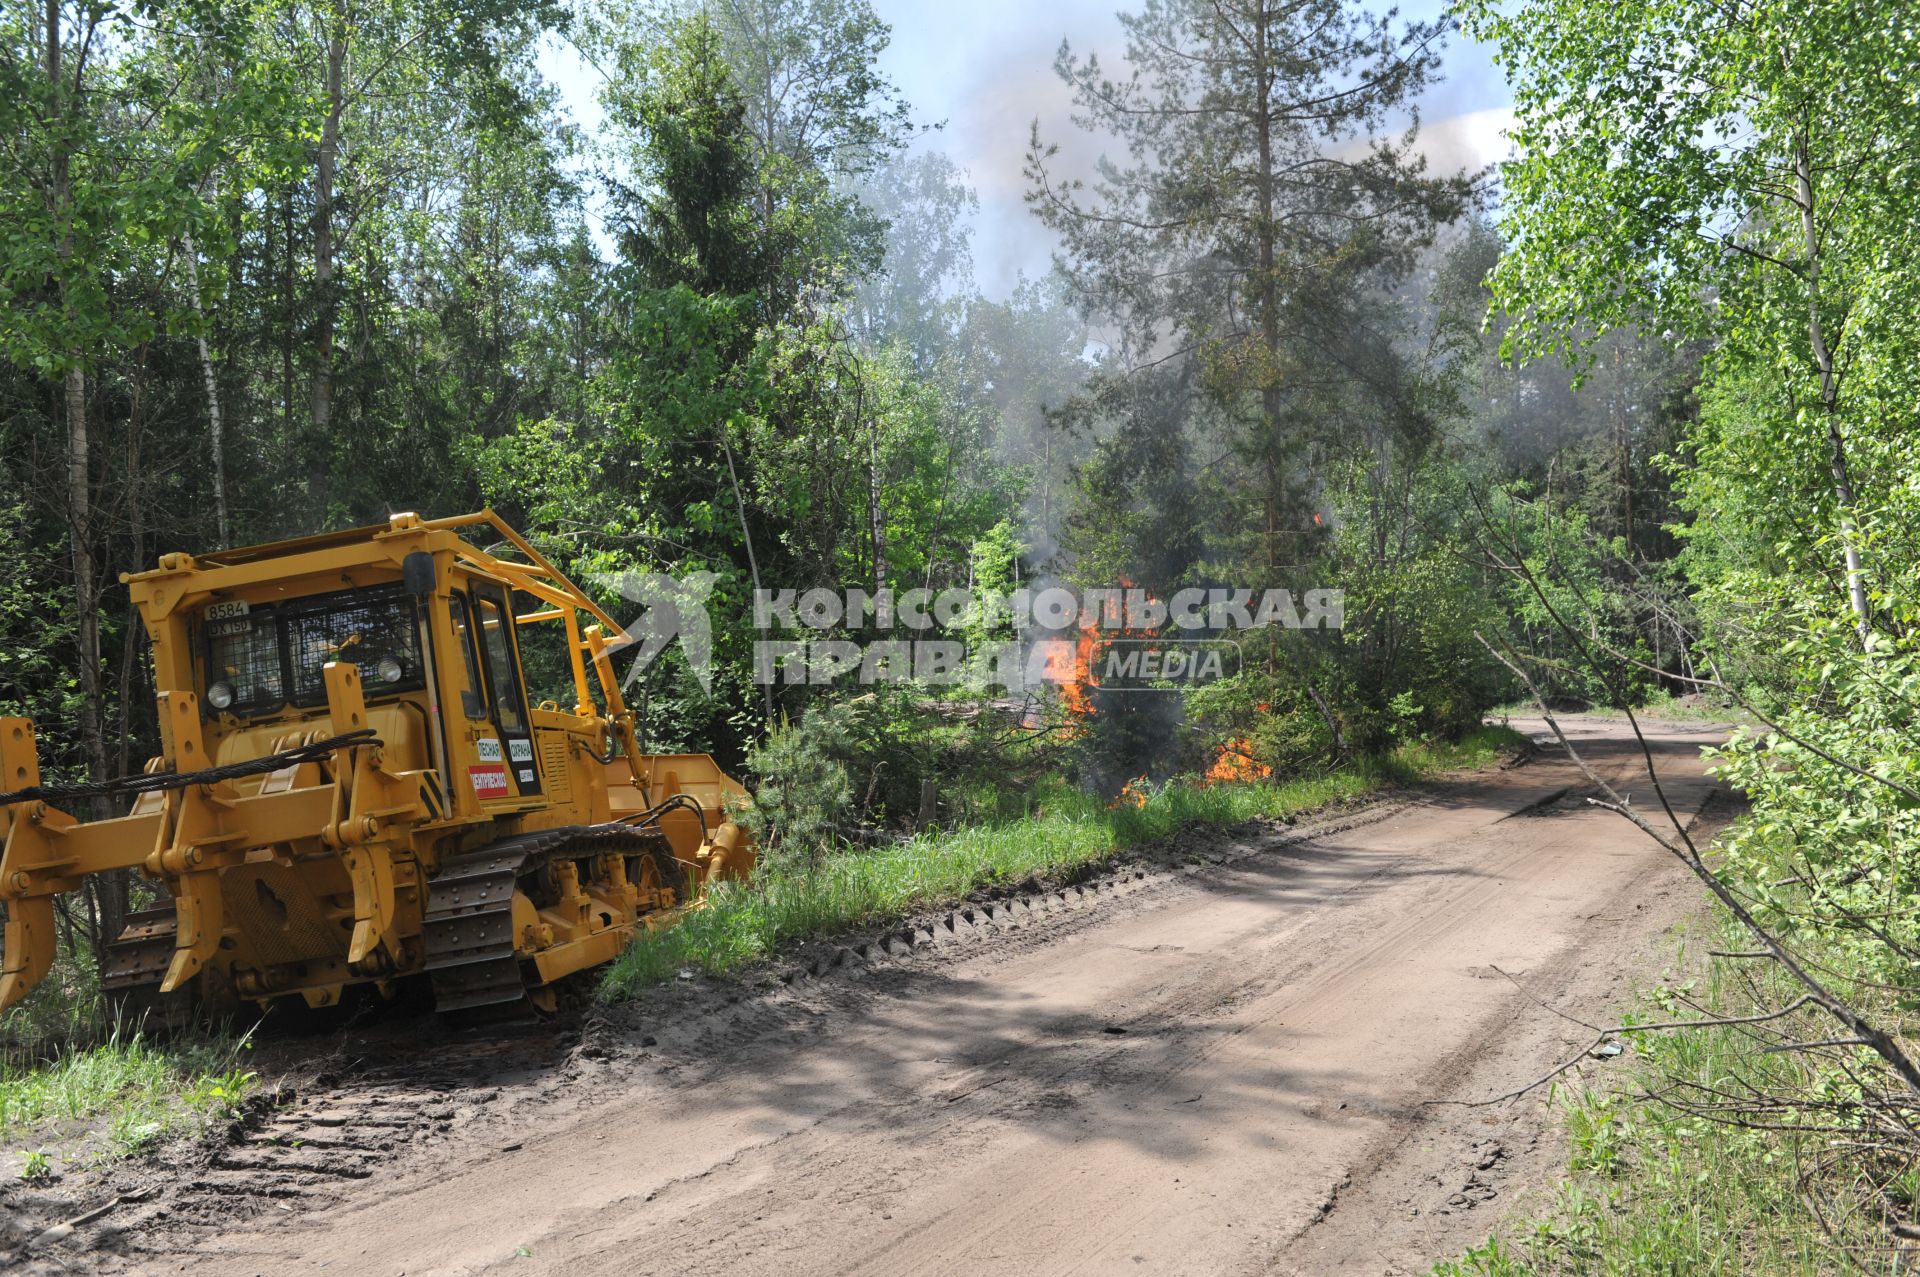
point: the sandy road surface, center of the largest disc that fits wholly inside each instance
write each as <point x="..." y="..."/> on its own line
<point x="1212" y="1071"/>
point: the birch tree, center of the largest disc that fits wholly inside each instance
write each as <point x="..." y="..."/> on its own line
<point x="1736" y="172"/>
<point x="104" y="164"/>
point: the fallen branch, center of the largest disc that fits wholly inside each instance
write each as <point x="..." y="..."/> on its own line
<point x="61" y="1231"/>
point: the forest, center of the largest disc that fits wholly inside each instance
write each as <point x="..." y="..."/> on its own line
<point x="277" y="271"/>
<point x="1625" y="423"/>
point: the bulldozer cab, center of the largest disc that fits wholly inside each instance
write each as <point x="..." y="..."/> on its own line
<point x="355" y="783"/>
<point x="436" y="637"/>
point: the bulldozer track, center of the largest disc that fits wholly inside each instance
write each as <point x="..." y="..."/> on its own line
<point x="471" y="959"/>
<point x="296" y="1149"/>
<point x="470" y="945"/>
<point x="132" y="970"/>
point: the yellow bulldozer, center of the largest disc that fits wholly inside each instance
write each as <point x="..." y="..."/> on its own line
<point x="355" y="790"/>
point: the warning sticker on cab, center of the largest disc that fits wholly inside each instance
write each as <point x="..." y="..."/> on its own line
<point x="488" y="782"/>
<point x="488" y="749"/>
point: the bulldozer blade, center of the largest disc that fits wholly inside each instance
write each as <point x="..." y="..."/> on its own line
<point x="29" y="947"/>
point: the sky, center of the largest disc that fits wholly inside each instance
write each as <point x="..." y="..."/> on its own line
<point x="983" y="71"/>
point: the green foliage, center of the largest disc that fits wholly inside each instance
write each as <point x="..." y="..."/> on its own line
<point x="1742" y="176"/>
<point x="1765" y="560"/>
<point x="36" y="627"/>
<point x="769" y="113"/>
<point x="1832" y="860"/>
<point x="64" y="1010"/>
<point x="1626" y="194"/>
<point x="855" y="766"/>
<point x="1268" y="720"/>
<point x="803" y="792"/>
<point x="1406" y="549"/>
<point x="692" y="223"/>
<point x="1567" y="581"/>
<point x="1244" y="253"/>
<point x="1628" y="200"/>
<point x="718" y="432"/>
<point x="38" y="1168"/>
<point x="1769" y="207"/>
<point x="88" y="198"/>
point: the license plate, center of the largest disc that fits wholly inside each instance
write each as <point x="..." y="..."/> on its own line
<point x="228" y="610"/>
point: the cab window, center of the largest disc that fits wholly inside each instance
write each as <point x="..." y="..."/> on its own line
<point x="496" y="647"/>
<point x="473" y="697"/>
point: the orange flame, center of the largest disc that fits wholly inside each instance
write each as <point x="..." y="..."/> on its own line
<point x="1234" y="763"/>
<point x="1074" y="694"/>
<point x="1135" y="791"/>
<point x="1075" y="674"/>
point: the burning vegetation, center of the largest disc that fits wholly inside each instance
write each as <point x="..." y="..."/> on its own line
<point x="1234" y="762"/>
<point x="1132" y="742"/>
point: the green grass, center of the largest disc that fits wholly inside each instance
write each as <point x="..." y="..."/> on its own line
<point x="65" y="1009"/>
<point x="120" y="1096"/>
<point x="1063" y="830"/>
<point x="1652" y="1189"/>
<point x="75" y="1089"/>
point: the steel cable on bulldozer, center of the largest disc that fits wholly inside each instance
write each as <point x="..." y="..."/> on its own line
<point x="154" y="782"/>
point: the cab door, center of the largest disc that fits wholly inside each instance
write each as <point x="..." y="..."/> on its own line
<point x="506" y="697"/>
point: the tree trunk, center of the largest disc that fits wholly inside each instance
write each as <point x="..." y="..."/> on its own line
<point x="136" y="506"/>
<point x="876" y="517"/>
<point x="286" y="313"/>
<point x="106" y="898"/>
<point x="1829" y="391"/>
<point x="746" y="535"/>
<point x="1269" y="302"/>
<point x="1624" y="416"/>
<point x="79" y="450"/>
<point x="323" y="266"/>
<point x="86" y="586"/>
<point x="216" y="437"/>
<point x="1268" y="295"/>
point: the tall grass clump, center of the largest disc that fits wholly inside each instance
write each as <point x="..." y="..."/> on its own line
<point x="125" y="1092"/>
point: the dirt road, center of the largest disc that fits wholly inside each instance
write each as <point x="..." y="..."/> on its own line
<point x="1216" y="1067"/>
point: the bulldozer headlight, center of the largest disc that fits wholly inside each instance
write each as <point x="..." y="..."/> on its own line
<point x="390" y="670"/>
<point x="220" y="695"/>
